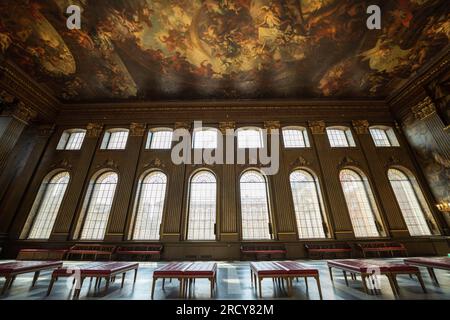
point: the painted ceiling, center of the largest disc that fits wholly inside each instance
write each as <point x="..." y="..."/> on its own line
<point x="238" y="49"/>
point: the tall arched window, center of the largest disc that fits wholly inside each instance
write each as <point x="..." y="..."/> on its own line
<point x="202" y="207"/>
<point x="47" y="205"/>
<point x="412" y="208"/>
<point x="99" y="206"/>
<point x="150" y="206"/>
<point x="307" y="204"/>
<point x="254" y="206"/>
<point x="360" y="203"/>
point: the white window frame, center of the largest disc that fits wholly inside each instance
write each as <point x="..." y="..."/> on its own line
<point x="288" y="139"/>
<point x="246" y="144"/>
<point x="109" y="136"/>
<point x="162" y="143"/>
<point x="71" y="139"/>
<point x="333" y="138"/>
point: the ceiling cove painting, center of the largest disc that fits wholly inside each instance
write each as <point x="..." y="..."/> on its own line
<point x="247" y="49"/>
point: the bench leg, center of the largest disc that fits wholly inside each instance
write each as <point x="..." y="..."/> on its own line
<point x="35" y="278"/>
<point x="123" y="279"/>
<point x="364" y="283"/>
<point x="135" y="276"/>
<point x="419" y="277"/>
<point x="153" y="286"/>
<point x="108" y="280"/>
<point x="331" y="273"/>
<point x="393" y="285"/>
<point x="345" y="276"/>
<point x="7" y="284"/>
<point x="260" y="287"/>
<point x="78" y="287"/>
<point x="433" y="276"/>
<point x="319" y="287"/>
<point x="212" y="286"/>
<point x="164" y="283"/>
<point x="50" y="286"/>
<point x="306" y="283"/>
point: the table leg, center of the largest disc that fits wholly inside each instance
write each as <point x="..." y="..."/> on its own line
<point x="108" y="280"/>
<point x="345" y="276"/>
<point x="212" y="286"/>
<point x="433" y="275"/>
<point x="35" y="278"/>
<point x="123" y="279"/>
<point x="7" y="284"/>
<point x="260" y="287"/>
<point x="393" y="286"/>
<point x="135" y="275"/>
<point x="164" y="283"/>
<point x="319" y="288"/>
<point x="331" y="273"/>
<point x="50" y="286"/>
<point x="306" y="282"/>
<point x="394" y="279"/>
<point x="153" y="286"/>
<point x="419" y="277"/>
<point x="363" y="279"/>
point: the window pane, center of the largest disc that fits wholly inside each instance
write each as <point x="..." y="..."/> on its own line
<point x="205" y="139"/>
<point x="161" y="139"/>
<point x="409" y="204"/>
<point x="202" y="207"/>
<point x="295" y="138"/>
<point x="99" y="207"/>
<point x="117" y="140"/>
<point x="307" y="205"/>
<point x="254" y="207"/>
<point x="337" y="138"/>
<point x="249" y="138"/>
<point x="49" y="206"/>
<point x="380" y="137"/>
<point x="75" y="140"/>
<point x="150" y="207"/>
<point x="359" y="204"/>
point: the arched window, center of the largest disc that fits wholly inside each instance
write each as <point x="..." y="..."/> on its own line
<point x="295" y="137"/>
<point x="115" y="139"/>
<point x="340" y="137"/>
<point x="307" y="204"/>
<point x="150" y="206"/>
<point x="249" y="138"/>
<point x="383" y="136"/>
<point x="71" y="139"/>
<point x="205" y="138"/>
<point x="99" y="206"/>
<point x="47" y="205"/>
<point x="202" y="207"/>
<point x="412" y="208"/>
<point x="360" y="203"/>
<point x="159" y="138"/>
<point x="254" y="206"/>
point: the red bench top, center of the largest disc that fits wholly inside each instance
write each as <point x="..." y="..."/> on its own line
<point x="43" y="250"/>
<point x="330" y="249"/>
<point x="365" y="265"/>
<point x="173" y="268"/>
<point x="151" y="252"/>
<point x="440" y="263"/>
<point x="297" y="268"/>
<point x="97" y="268"/>
<point x="264" y="251"/>
<point x="384" y="248"/>
<point x="282" y="268"/>
<point x="201" y="269"/>
<point x="27" y="266"/>
<point x="83" y="251"/>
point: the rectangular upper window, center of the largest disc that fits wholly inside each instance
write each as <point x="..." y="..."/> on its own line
<point x="115" y="139"/>
<point x="383" y="137"/>
<point x="71" y="139"/>
<point x="340" y="137"/>
<point x="249" y="138"/>
<point x="159" y="139"/>
<point x="295" y="137"/>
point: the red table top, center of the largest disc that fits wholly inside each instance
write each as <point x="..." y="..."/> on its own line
<point x="27" y="266"/>
<point x="368" y="265"/>
<point x="440" y="263"/>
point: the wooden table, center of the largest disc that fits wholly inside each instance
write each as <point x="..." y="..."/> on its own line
<point x="11" y="270"/>
<point x="431" y="264"/>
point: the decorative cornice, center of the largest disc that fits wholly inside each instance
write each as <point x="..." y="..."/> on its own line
<point x="361" y="126"/>
<point x="108" y="164"/>
<point x="93" y="130"/>
<point x="423" y="109"/>
<point x="137" y="129"/>
<point x="46" y="130"/>
<point x="346" y="162"/>
<point x="272" y="125"/>
<point x="317" y="127"/>
<point x="300" y="162"/>
<point x="154" y="163"/>
<point x="62" y="164"/>
<point x="224" y="126"/>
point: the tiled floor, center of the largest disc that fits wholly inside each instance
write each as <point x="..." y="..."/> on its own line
<point x="233" y="283"/>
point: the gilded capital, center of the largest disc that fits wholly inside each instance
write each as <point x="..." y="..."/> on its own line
<point x="423" y="109"/>
<point x="137" y="129"/>
<point x="317" y="127"/>
<point x="182" y="125"/>
<point x="224" y="126"/>
<point x="94" y="130"/>
<point x="23" y="113"/>
<point x="361" y="126"/>
<point x="271" y="125"/>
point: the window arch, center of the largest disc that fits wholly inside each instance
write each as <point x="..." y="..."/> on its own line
<point x="295" y="137"/>
<point x="150" y="206"/>
<point x="159" y="139"/>
<point x="205" y="138"/>
<point x="307" y="204"/>
<point x="115" y="139"/>
<point x="383" y="136"/>
<point x="360" y="203"/>
<point x="413" y="208"/>
<point x="47" y="205"/>
<point x="202" y="206"/>
<point x="340" y="137"/>
<point x="99" y="206"/>
<point x="71" y="139"/>
<point x="255" y="212"/>
<point x="249" y="137"/>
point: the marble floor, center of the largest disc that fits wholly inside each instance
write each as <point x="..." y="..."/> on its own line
<point x="233" y="283"/>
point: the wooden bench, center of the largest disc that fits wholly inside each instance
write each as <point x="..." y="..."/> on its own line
<point x="282" y="271"/>
<point x="266" y="249"/>
<point x="322" y="249"/>
<point x="147" y="250"/>
<point x="186" y="273"/>
<point x="382" y="247"/>
<point x="11" y="270"/>
<point x="368" y="268"/>
<point x="431" y="264"/>
<point x="95" y="250"/>
<point x="42" y="254"/>
<point x="97" y="270"/>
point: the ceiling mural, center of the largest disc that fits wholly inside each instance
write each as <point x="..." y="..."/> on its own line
<point x="239" y="49"/>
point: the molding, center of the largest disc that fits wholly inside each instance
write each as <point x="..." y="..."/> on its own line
<point x="317" y="127"/>
<point x="392" y="161"/>
<point x="107" y="164"/>
<point x="361" y="126"/>
<point x="300" y="162"/>
<point x="63" y="164"/>
<point x="154" y="163"/>
<point x="46" y="130"/>
<point x="423" y="109"/>
<point x="347" y="161"/>
<point x="182" y="125"/>
<point x="272" y="125"/>
<point x="94" y="130"/>
<point x="137" y="129"/>
<point x="224" y="126"/>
